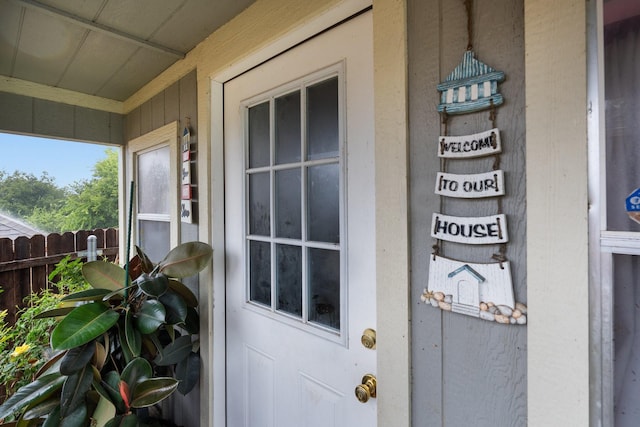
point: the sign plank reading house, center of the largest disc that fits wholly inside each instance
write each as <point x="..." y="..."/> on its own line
<point x="471" y="230"/>
<point x="468" y="146"/>
<point x="489" y="184"/>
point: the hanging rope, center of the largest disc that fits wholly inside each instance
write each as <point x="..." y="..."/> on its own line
<point x="468" y="4"/>
<point x="437" y="247"/>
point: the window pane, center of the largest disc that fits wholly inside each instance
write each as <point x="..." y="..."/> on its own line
<point x="322" y="120"/>
<point x="153" y="181"/>
<point x="288" y="128"/>
<point x="288" y="220"/>
<point x="323" y="203"/>
<point x="622" y="115"/>
<point x="626" y="270"/>
<point x="259" y="204"/>
<point x="289" y="279"/>
<point x="259" y="135"/>
<point x="154" y="238"/>
<point x="260" y="272"/>
<point x="324" y="287"/>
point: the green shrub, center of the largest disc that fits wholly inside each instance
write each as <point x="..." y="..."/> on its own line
<point x="24" y="347"/>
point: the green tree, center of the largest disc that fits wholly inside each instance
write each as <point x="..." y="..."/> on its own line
<point x="22" y="193"/>
<point x="90" y="203"/>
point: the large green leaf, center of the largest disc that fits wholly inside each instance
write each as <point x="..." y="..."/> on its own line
<point x="77" y="418"/>
<point x="104" y="412"/>
<point x="86" y="295"/>
<point x="136" y="371"/>
<point x="124" y="345"/>
<point x="186" y="259"/>
<point x="132" y="335"/>
<point x="110" y="385"/>
<point x="77" y="358"/>
<point x="54" y="312"/>
<point x="53" y="420"/>
<point x="74" y="390"/>
<point x="39" y="389"/>
<point x="150" y="316"/>
<point x="154" y="285"/>
<point x="152" y="391"/>
<point x="192" y="322"/>
<point x="188" y="372"/>
<point x="104" y="275"/>
<point x="42" y="408"/>
<point x="186" y="294"/>
<point x="175" y="352"/>
<point x="130" y="420"/>
<point x="82" y="325"/>
<point x="175" y="306"/>
<point x="145" y="261"/>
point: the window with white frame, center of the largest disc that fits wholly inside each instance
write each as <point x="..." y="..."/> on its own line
<point x="619" y="171"/>
<point x="153" y="168"/>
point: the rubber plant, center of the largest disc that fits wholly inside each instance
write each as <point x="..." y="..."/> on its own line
<point x="120" y="346"/>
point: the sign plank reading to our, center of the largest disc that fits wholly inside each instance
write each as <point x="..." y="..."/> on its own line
<point x="488" y="184"/>
<point x="471" y="230"/>
<point x="467" y="146"/>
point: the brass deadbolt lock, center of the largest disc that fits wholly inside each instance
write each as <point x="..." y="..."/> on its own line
<point x="368" y="338"/>
<point x="367" y="389"/>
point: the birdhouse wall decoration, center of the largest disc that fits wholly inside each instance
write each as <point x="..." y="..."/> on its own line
<point x="482" y="290"/>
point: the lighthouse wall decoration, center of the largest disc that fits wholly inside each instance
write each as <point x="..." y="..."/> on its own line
<point x="482" y="290"/>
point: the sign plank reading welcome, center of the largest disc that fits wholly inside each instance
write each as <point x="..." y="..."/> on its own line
<point x="468" y="146"/>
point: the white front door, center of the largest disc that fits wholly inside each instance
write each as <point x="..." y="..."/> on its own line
<point x="300" y="234"/>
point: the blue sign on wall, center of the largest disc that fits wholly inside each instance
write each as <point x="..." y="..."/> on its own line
<point x="633" y="201"/>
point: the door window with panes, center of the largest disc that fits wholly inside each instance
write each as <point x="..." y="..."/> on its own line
<point x="293" y="182"/>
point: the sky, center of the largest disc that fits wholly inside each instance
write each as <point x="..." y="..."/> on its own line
<point x="65" y="161"/>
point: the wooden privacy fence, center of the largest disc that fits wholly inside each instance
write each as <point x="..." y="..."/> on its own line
<point x="25" y="263"/>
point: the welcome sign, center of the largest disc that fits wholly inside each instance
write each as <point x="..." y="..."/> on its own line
<point x="481" y="144"/>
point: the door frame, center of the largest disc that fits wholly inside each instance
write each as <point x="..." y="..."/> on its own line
<point x="392" y="238"/>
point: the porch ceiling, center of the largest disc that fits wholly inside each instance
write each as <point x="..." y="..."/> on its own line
<point x="106" y="48"/>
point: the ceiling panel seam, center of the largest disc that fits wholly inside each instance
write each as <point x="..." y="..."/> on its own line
<point x="86" y="23"/>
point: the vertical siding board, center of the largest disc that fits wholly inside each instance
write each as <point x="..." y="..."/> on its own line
<point x="16" y="113"/>
<point x="157" y="111"/>
<point x="116" y="129"/>
<point x="172" y="103"/>
<point x="424" y="123"/>
<point x="53" y="118"/>
<point x="91" y="125"/>
<point x="133" y="124"/>
<point x="146" y="118"/>
<point x="474" y="369"/>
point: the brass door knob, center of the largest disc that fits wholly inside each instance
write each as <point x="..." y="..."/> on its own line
<point x="368" y="338"/>
<point x="367" y="389"/>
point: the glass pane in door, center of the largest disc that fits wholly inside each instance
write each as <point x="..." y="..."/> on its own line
<point x="324" y="287"/>
<point x="260" y="276"/>
<point x="287" y="124"/>
<point x="289" y="279"/>
<point x="323" y="201"/>
<point x="322" y="120"/>
<point x="153" y="181"/>
<point x="288" y="199"/>
<point x="259" y="152"/>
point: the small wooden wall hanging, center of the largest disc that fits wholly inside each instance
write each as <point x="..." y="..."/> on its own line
<point x="480" y="290"/>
